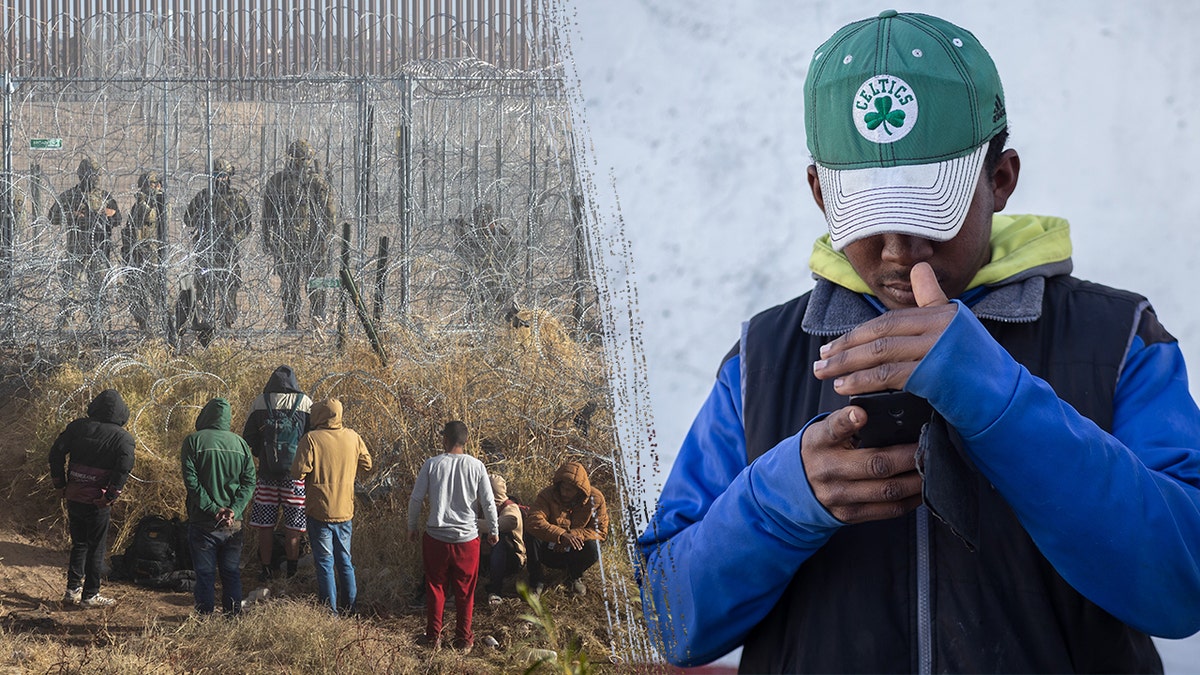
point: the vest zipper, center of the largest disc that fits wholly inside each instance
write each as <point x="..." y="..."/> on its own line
<point x="924" y="610"/>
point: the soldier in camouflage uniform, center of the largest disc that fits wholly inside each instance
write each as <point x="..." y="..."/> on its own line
<point x="489" y="255"/>
<point x="89" y="215"/>
<point x="17" y="216"/>
<point x="219" y="217"/>
<point x="297" y="221"/>
<point x="12" y="222"/>
<point x="142" y="250"/>
<point x="18" y="208"/>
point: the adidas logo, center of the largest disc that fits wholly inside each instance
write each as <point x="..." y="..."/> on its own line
<point x="997" y="110"/>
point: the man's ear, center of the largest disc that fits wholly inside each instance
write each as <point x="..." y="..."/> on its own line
<point x="1004" y="179"/>
<point x="814" y="184"/>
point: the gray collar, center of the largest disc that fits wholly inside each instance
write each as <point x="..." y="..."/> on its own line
<point x="834" y="309"/>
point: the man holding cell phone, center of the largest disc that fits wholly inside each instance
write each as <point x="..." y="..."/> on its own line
<point x="1047" y="517"/>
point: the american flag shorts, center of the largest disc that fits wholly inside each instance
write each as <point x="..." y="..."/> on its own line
<point x="270" y="494"/>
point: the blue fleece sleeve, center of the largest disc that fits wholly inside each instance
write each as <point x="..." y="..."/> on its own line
<point x="1118" y="515"/>
<point x="726" y="538"/>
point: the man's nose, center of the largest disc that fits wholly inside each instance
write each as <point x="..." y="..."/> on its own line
<point x="905" y="249"/>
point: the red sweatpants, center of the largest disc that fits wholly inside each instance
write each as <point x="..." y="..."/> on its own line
<point x="456" y="565"/>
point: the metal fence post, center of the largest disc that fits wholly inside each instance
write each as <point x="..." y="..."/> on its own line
<point x="381" y="265"/>
<point x="360" y="152"/>
<point x="165" y="135"/>
<point x="533" y="198"/>
<point x="405" y="153"/>
<point x="7" y="217"/>
<point x="345" y="268"/>
<point x="578" y="260"/>
<point x="35" y="189"/>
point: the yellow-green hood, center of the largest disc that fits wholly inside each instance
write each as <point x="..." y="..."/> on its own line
<point x="1019" y="243"/>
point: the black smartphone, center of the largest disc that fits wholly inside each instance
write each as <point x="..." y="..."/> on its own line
<point x="893" y="418"/>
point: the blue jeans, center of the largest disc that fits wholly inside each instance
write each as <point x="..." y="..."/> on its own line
<point x="213" y="551"/>
<point x="331" y="548"/>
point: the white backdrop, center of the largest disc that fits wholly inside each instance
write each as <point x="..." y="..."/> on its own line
<point x="694" y="116"/>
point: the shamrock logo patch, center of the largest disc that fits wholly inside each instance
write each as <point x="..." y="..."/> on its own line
<point x="884" y="115"/>
<point x="884" y="109"/>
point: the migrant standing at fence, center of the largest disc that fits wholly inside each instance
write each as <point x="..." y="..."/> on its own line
<point x="457" y="488"/>
<point x="90" y="462"/>
<point x="89" y="215"/>
<point x="328" y="459"/>
<point x="142" y="251"/>
<point x="219" y="218"/>
<point x="277" y="420"/>
<point x="218" y="472"/>
<point x="297" y="222"/>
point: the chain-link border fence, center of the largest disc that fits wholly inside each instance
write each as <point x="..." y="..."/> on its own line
<point x="451" y="196"/>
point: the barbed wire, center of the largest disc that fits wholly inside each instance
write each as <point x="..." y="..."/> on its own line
<point x="454" y="205"/>
<point x="475" y="205"/>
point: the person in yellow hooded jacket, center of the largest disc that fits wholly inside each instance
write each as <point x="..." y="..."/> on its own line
<point x="328" y="459"/>
<point x="568" y="521"/>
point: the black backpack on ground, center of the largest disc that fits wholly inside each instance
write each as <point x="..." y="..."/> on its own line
<point x="152" y="551"/>
<point x="157" y="556"/>
<point x="159" y="547"/>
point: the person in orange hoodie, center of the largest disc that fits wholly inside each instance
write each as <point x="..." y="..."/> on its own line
<point x="568" y="521"/>
<point x="327" y="459"/>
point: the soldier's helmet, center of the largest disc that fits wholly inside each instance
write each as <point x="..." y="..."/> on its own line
<point x="222" y="167"/>
<point x="147" y="179"/>
<point x="300" y="149"/>
<point x="88" y="168"/>
<point x="89" y="173"/>
<point x="483" y="215"/>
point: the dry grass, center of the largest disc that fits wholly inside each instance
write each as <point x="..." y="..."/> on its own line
<point x="518" y="390"/>
<point x="284" y="637"/>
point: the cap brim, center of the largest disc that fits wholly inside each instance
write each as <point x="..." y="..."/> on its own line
<point x="923" y="200"/>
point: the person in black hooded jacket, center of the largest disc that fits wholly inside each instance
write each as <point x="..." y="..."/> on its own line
<point x="89" y="463"/>
<point x="277" y="420"/>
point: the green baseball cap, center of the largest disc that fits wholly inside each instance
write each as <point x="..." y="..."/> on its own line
<point x="899" y="110"/>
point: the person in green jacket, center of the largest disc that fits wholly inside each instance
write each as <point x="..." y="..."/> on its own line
<point x="218" y="472"/>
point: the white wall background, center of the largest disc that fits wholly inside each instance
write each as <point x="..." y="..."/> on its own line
<point x="695" y="118"/>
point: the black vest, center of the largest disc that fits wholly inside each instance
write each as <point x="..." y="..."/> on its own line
<point x="852" y="606"/>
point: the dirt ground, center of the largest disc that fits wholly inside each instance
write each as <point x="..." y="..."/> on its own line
<point x="33" y="559"/>
<point x="32" y="581"/>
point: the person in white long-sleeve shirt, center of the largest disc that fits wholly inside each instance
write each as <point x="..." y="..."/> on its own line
<point x="457" y="489"/>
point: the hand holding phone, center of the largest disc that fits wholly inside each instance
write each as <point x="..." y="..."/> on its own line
<point x="893" y="418"/>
